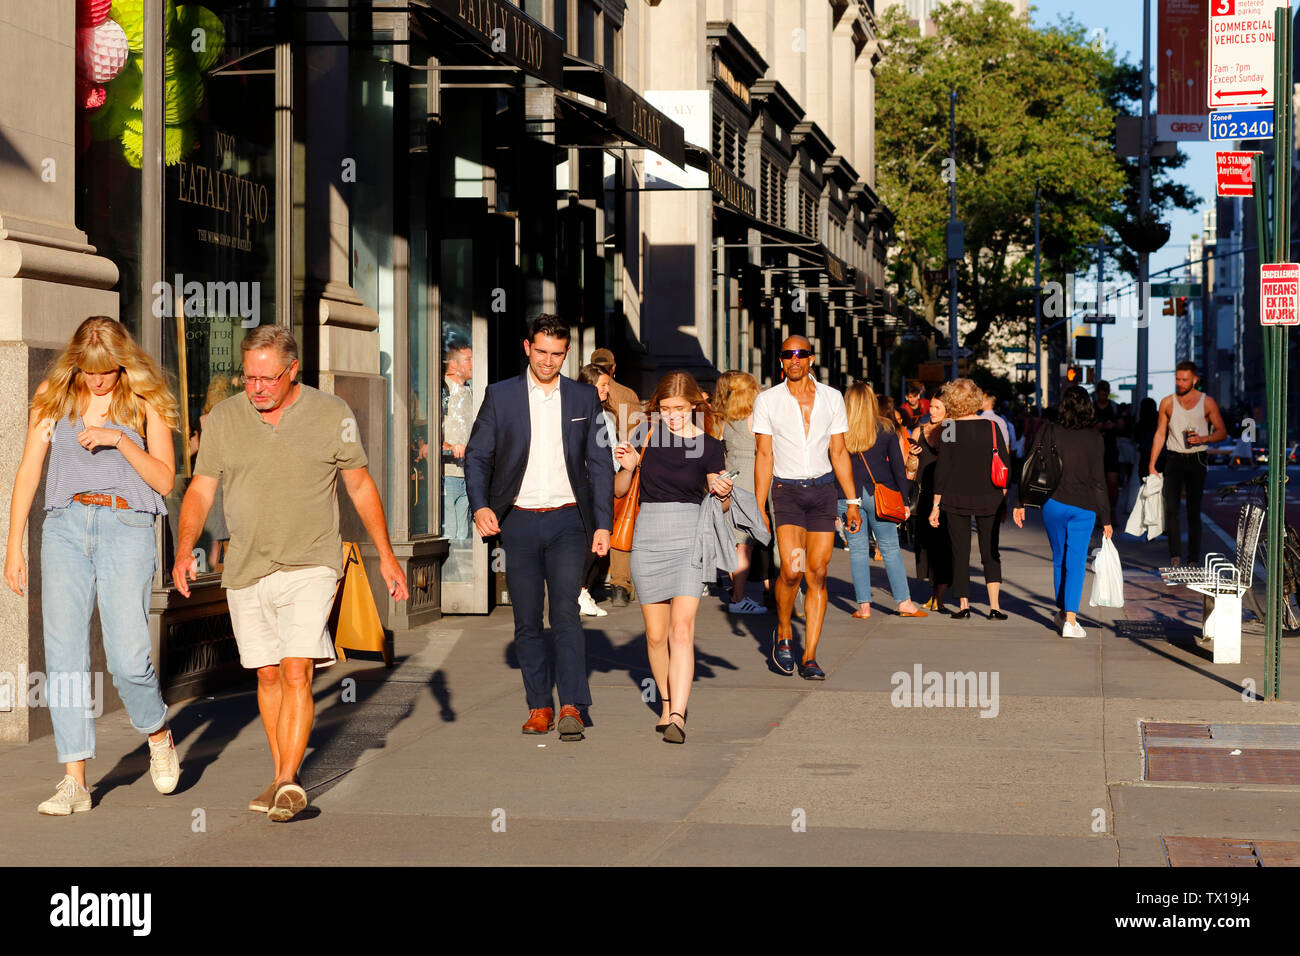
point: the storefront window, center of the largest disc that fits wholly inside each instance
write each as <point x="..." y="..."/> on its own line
<point x="371" y="256"/>
<point x="423" y="469"/>
<point x="110" y="84"/>
<point x="457" y="401"/>
<point x="218" y="220"/>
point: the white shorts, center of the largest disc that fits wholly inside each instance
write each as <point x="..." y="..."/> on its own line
<point x="285" y="614"/>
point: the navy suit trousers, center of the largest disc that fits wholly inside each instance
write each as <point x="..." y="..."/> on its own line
<point x="545" y="552"/>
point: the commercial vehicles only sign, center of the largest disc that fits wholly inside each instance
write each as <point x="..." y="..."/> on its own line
<point x="1241" y="52"/>
<point x="1279" y="293"/>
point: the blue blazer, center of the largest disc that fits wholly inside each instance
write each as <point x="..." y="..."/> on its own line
<point x="497" y="452"/>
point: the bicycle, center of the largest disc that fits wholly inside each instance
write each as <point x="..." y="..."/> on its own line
<point x="1290" y="551"/>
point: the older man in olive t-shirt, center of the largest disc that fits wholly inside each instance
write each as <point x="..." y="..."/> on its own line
<point x="277" y="451"/>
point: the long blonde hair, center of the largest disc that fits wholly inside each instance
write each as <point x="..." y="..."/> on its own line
<point x="864" y="417"/>
<point x="733" y="399"/>
<point x="99" y="343"/>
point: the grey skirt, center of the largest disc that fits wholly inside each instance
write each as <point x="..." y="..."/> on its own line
<point x="661" y="552"/>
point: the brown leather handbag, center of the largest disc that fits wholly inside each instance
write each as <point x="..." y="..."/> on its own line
<point x="889" y="503"/>
<point x="625" y="511"/>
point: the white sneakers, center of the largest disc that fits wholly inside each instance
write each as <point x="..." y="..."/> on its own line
<point x="588" y="606"/>
<point x="746" y="605"/>
<point x="164" y="766"/>
<point x="69" y="797"/>
<point x="1073" y="629"/>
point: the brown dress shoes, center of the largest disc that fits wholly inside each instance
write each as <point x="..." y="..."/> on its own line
<point x="539" y="721"/>
<point x="570" y="723"/>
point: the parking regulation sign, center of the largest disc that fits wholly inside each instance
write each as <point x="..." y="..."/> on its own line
<point x="1279" y="293"/>
<point x="1241" y="124"/>
<point x="1241" y="52"/>
<point x="1233" y="173"/>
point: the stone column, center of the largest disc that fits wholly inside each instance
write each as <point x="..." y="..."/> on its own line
<point x="50" y="281"/>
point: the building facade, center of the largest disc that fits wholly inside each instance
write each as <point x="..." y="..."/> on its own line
<point x="405" y="185"/>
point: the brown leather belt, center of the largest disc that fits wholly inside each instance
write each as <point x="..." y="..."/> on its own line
<point x="106" y="501"/>
<point x="571" y="504"/>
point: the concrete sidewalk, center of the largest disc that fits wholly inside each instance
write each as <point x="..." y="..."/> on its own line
<point x="427" y="765"/>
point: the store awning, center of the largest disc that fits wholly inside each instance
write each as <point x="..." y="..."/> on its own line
<point x="503" y="32"/>
<point x="838" y="270"/>
<point x="627" y="113"/>
<point x="729" y="190"/>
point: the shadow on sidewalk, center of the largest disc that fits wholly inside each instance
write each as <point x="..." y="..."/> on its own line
<point x="606" y="657"/>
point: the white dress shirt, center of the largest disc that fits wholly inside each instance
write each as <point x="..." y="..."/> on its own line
<point x="794" y="454"/>
<point x="546" y="479"/>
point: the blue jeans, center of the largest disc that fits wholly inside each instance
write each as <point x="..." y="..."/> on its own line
<point x="886" y="533"/>
<point x="91" y="554"/>
<point x="1069" y="529"/>
<point x="455" y="507"/>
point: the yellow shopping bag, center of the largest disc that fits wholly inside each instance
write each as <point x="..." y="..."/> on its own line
<point x="355" y="619"/>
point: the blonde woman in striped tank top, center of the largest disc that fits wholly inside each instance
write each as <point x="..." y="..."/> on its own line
<point x="105" y="417"/>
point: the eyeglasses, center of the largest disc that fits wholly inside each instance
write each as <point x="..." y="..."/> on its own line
<point x="256" y="380"/>
<point x="796" y="354"/>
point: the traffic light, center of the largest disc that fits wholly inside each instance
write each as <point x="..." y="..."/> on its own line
<point x="1169" y="307"/>
<point x="1072" y="375"/>
<point x="1085" y="348"/>
<point x="1180" y="305"/>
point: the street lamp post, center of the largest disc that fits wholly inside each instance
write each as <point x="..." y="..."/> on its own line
<point x="1038" y="305"/>
<point x="956" y="234"/>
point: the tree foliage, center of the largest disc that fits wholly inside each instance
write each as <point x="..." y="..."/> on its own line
<point x="1034" y="106"/>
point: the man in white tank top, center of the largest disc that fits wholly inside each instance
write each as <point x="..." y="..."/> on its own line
<point x="1189" y="422"/>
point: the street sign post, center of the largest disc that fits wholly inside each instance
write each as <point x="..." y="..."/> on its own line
<point x="1099" y="319"/>
<point x="1026" y="366"/>
<point x="945" y="351"/>
<point x="1241" y="52"/>
<point x="1241" y="124"/>
<point x="1279" y="293"/>
<point x="1181" y="290"/>
<point x="1232" y="173"/>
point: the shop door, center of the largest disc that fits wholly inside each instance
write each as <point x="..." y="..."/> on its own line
<point x="477" y="283"/>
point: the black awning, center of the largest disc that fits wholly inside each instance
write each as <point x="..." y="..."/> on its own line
<point x="729" y="190"/>
<point x="626" y="111"/>
<point x="504" y="32"/>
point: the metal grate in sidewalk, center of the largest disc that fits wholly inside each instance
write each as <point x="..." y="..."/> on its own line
<point x="1222" y="753"/>
<point x="1212" y="851"/>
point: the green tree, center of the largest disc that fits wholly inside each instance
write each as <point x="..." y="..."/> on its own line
<point x="1034" y="106"/>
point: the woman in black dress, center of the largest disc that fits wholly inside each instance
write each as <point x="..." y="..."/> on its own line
<point x="933" y="549"/>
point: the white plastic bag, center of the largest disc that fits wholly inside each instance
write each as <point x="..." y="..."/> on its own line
<point x="1107" y="577"/>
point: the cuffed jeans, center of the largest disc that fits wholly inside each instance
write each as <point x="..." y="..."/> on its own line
<point x="886" y="533"/>
<point x="96" y="555"/>
<point x="1069" y="529"/>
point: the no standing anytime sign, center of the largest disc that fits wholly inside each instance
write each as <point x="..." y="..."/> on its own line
<point x="1241" y="52"/>
<point x="1279" y="293"/>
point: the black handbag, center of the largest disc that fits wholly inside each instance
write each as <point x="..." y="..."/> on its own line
<point x="1041" y="475"/>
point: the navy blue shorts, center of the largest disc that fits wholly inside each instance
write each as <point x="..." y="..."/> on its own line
<point x="813" y="509"/>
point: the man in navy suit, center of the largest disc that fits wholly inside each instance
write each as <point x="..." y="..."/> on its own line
<point x="539" y="473"/>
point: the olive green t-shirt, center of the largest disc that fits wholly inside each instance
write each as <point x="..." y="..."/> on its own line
<point x="279" y="482"/>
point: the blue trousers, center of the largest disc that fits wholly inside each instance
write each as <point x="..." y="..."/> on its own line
<point x="544" y="553"/>
<point x="886" y="533"/>
<point x="1069" y="529"/>
<point x="91" y="556"/>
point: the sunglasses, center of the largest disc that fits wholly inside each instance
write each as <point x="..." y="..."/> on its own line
<point x="796" y="354"/>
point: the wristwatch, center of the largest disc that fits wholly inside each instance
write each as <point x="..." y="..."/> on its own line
<point x="854" y="501"/>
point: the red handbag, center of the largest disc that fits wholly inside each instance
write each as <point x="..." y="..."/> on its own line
<point x="999" y="472"/>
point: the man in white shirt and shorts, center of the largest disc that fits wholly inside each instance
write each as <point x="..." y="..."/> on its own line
<point x="799" y="429"/>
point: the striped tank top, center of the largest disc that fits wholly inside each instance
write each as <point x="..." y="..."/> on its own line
<point x="75" y="470"/>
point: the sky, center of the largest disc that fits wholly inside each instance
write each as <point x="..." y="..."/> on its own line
<point x="1122" y="22"/>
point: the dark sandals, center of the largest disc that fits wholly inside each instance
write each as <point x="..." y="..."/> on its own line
<point x="674" y="734"/>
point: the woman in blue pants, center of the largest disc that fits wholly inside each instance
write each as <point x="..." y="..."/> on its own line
<point x="1078" y="503"/>
<point x="877" y="455"/>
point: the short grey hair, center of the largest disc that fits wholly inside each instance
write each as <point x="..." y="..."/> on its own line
<point x="271" y="337"/>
